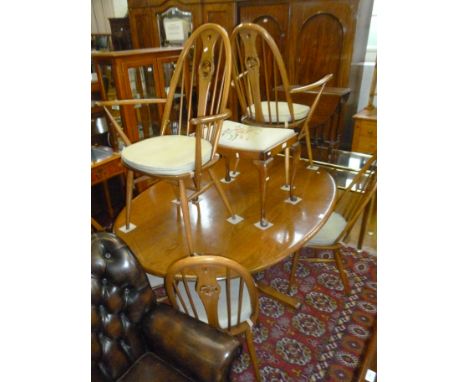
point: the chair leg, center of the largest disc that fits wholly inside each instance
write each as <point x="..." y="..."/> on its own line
<point x="262" y="166"/>
<point x="186" y="216"/>
<point x="286" y="168"/>
<point x="308" y="144"/>
<point x="227" y="165"/>
<point x="129" y="194"/>
<point x="221" y="192"/>
<point x="339" y="265"/>
<point x="296" y="152"/>
<point x="253" y="355"/>
<point x="292" y="276"/>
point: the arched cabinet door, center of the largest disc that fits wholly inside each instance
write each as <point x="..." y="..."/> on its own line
<point x="272" y="17"/>
<point x="321" y="41"/>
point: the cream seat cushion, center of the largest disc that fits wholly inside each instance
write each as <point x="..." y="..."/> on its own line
<point x="222" y="303"/>
<point x="252" y="138"/>
<point x="329" y="232"/>
<point x="165" y="155"/>
<point x="300" y="111"/>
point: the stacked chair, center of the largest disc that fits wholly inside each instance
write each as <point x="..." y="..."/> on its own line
<point x="194" y="111"/>
<point x="271" y="122"/>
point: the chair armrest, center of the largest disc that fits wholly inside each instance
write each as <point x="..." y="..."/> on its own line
<point x="135" y="101"/>
<point x="198" y="350"/>
<point x="313" y="85"/>
<point x="210" y="118"/>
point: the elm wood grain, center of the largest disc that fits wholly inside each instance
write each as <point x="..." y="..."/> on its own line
<point x="158" y="239"/>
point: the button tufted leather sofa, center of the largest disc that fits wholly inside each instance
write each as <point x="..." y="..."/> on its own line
<point x="134" y="338"/>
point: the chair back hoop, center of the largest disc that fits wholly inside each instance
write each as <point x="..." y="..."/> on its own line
<point x="258" y="73"/>
<point x="201" y="77"/>
<point x="358" y="194"/>
<point x="207" y="287"/>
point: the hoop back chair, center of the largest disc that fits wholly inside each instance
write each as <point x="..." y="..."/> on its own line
<point x="218" y="291"/>
<point x="191" y="124"/>
<point x="260" y="78"/>
<point x="349" y="206"/>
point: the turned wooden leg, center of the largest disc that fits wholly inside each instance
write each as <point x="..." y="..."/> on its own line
<point x="262" y="166"/>
<point x="253" y="355"/>
<point x="227" y="165"/>
<point x="339" y="265"/>
<point x="292" y="276"/>
<point x="129" y="194"/>
<point x="236" y="163"/>
<point x="186" y="215"/>
<point x="296" y="152"/>
<point x="286" y="167"/>
<point x="308" y="144"/>
<point x="108" y="199"/>
<point x="221" y="192"/>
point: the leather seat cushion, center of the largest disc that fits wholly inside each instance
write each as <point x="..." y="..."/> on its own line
<point x="300" y="111"/>
<point x="165" y="155"/>
<point x="151" y="368"/>
<point x="252" y="138"/>
<point x="222" y="303"/>
<point x="329" y="232"/>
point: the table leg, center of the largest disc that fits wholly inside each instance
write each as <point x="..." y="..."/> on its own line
<point x="281" y="297"/>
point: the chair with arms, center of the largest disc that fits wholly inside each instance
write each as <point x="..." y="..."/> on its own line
<point x="218" y="291"/>
<point x="269" y="119"/>
<point x="134" y="338"/>
<point x="191" y="124"/>
<point x="349" y="206"/>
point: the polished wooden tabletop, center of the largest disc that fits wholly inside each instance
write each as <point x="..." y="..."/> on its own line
<point x="158" y="238"/>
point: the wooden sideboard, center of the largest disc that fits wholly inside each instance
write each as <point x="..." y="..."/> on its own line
<point x="315" y="37"/>
<point x="365" y="131"/>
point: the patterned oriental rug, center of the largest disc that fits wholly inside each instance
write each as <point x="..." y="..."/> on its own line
<point x="325" y="339"/>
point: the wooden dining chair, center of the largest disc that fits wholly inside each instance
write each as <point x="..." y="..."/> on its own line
<point x="194" y="111"/>
<point x="268" y="121"/>
<point x="348" y="208"/>
<point x="218" y="291"/>
<point x="262" y="84"/>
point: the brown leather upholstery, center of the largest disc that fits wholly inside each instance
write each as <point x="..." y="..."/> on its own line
<point x="135" y="338"/>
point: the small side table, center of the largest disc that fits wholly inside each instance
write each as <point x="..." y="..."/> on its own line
<point x="365" y="131"/>
<point x="105" y="164"/>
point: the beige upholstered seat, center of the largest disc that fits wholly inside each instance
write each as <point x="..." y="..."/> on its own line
<point x="299" y="111"/>
<point x="329" y="232"/>
<point x="165" y="155"/>
<point x="239" y="136"/>
<point x="349" y="206"/>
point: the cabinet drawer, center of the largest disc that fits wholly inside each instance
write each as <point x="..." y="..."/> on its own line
<point x="106" y="170"/>
<point x="368" y="129"/>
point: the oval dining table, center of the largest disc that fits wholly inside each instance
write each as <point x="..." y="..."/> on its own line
<point x="158" y="239"/>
